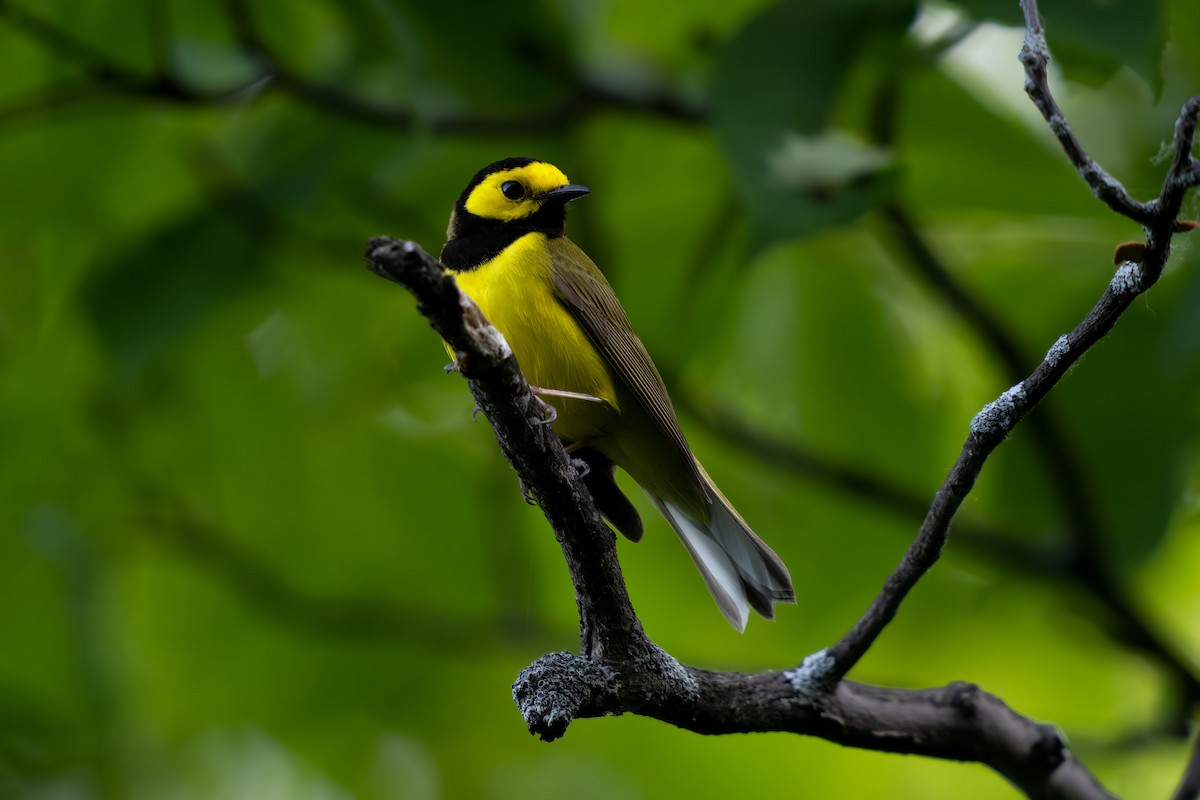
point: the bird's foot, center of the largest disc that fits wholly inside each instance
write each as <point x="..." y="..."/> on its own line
<point x="549" y="412"/>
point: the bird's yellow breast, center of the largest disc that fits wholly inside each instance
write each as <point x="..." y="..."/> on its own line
<point x="515" y="291"/>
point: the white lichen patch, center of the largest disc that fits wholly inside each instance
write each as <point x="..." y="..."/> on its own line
<point x="1000" y="415"/>
<point x="684" y="680"/>
<point x="656" y="660"/>
<point x="1094" y="174"/>
<point x="809" y="677"/>
<point x="1128" y="278"/>
<point x="1057" y="350"/>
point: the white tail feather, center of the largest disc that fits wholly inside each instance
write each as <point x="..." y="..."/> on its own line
<point x="741" y="572"/>
<point x="719" y="571"/>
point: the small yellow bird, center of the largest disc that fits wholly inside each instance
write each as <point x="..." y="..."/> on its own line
<point x="507" y="251"/>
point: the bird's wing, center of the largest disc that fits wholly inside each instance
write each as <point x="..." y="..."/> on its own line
<point x="586" y="293"/>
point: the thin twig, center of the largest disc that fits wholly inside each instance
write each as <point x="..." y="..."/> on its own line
<point x="1062" y="467"/>
<point x="989" y="428"/>
<point x="1035" y="55"/>
<point x="1086" y="563"/>
<point x="992" y="425"/>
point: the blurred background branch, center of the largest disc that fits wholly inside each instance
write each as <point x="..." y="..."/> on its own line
<point x="368" y="619"/>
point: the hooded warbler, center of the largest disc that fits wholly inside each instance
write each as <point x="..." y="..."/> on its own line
<point x="507" y="251"/>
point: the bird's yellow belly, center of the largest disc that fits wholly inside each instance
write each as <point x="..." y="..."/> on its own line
<point x="515" y="291"/>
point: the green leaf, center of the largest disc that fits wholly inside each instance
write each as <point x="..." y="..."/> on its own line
<point x="775" y="89"/>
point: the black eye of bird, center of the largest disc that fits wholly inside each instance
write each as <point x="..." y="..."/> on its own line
<point x="512" y="190"/>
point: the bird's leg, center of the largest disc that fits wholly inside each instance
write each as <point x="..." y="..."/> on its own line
<point x="539" y="393"/>
<point x="581" y="467"/>
<point x="451" y="367"/>
<point x="591" y="398"/>
<point x="550" y="413"/>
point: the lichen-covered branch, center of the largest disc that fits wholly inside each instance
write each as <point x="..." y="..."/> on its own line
<point x="1035" y="56"/>
<point x="958" y="722"/>
<point x="621" y="671"/>
<point x="1082" y="560"/>
<point x="988" y="430"/>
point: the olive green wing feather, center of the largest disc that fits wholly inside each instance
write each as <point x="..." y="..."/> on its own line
<point x="586" y="293"/>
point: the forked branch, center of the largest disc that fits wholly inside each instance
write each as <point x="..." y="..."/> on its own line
<point x="621" y="670"/>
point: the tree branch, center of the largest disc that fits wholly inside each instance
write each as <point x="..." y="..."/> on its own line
<point x="1085" y="562"/>
<point x="621" y="670"/>
<point x="989" y="428"/>
<point x="1058" y="565"/>
<point x="1035" y="56"/>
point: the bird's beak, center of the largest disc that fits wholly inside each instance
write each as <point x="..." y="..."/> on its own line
<point x="566" y="193"/>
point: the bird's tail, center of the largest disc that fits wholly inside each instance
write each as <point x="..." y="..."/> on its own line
<point x="740" y="570"/>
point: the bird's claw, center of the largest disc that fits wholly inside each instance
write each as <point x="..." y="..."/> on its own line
<point x="549" y="412"/>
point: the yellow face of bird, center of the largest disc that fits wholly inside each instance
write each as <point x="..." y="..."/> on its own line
<point x="515" y="193"/>
<point x="502" y="203"/>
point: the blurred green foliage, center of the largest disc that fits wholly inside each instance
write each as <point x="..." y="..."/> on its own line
<point x="253" y="545"/>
